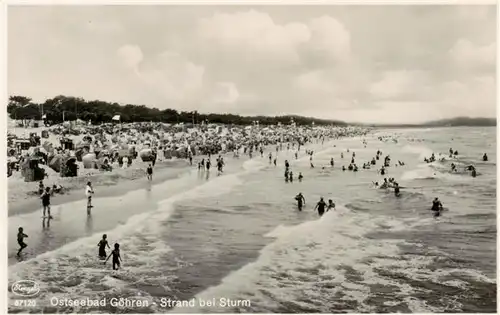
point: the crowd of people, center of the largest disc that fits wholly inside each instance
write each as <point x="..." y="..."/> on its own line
<point x="259" y="140"/>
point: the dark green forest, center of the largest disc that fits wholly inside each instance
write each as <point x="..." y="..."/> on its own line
<point x="66" y="108"/>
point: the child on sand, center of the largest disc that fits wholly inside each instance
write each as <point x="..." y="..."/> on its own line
<point x="20" y="240"/>
<point x="116" y="257"/>
<point x="102" y="246"/>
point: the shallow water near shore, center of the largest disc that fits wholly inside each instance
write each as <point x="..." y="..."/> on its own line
<point x="240" y="237"/>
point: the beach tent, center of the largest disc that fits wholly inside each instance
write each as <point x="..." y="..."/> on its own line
<point x="147" y="155"/>
<point x="55" y="162"/>
<point x="103" y="164"/>
<point x="89" y="160"/>
<point x="69" y="167"/>
<point x="31" y="171"/>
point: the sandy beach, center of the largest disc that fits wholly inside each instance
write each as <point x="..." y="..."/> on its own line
<point x="23" y="196"/>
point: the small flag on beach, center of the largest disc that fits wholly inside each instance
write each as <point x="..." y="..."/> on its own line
<point x="116" y="117"/>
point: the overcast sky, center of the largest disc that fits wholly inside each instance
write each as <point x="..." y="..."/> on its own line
<point x="354" y="63"/>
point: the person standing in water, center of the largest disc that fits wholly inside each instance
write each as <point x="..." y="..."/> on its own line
<point x="300" y="177"/>
<point x="437" y="207"/>
<point x="20" y="240"/>
<point x="46" y="201"/>
<point x="149" y="172"/>
<point x="89" y="191"/>
<point x="396" y="190"/>
<point x="321" y="207"/>
<point x="220" y="165"/>
<point x="102" y="246"/>
<point x="116" y="257"/>
<point x="301" y="201"/>
<point x="331" y="205"/>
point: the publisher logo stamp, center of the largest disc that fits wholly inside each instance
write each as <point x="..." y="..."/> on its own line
<point x="25" y="288"/>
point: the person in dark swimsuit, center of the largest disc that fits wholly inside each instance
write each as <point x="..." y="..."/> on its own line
<point x="396" y="190"/>
<point x="20" y="240"/>
<point x="102" y="246"/>
<point x="331" y="205"/>
<point x="437" y="207"/>
<point x="116" y="257"/>
<point x="300" y="201"/>
<point x="46" y="202"/>
<point x="150" y="172"/>
<point x="321" y="206"/>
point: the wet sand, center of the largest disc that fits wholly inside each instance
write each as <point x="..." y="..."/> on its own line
<point x="113" y="206"/>
<point x="163" y="171"/>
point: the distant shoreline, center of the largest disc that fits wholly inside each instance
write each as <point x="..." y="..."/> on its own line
<point x="424" y="126"/>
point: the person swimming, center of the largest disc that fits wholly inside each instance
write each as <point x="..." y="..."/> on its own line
<point x="382" y="171"/>
<point x="332" y="162"/>
<point x="102" y="246"/>
<point x="485" y="158"/>
<point x="301" y="201"/>
<point x="385" y="184"/>
<point x="343" y="168"/>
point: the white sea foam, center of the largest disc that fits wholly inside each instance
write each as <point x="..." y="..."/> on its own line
<point x="73" y="267"/>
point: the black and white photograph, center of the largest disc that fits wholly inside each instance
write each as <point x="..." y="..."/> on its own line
<point x="250" y="158"/>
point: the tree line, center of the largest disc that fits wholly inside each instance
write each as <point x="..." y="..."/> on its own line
<point x="66" y="108"/>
